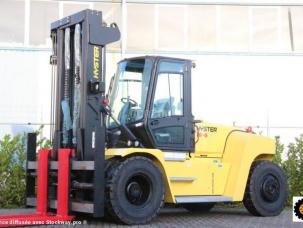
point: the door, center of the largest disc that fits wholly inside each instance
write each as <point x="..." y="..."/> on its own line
<point x="170" y="118"/>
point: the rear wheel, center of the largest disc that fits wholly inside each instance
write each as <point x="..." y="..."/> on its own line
<point x="266" y="190"/>
<point x="134" y="191"/>
<point x="199" y="207"/>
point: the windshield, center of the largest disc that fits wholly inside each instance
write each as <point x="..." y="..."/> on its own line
<point x="129" y="93"/>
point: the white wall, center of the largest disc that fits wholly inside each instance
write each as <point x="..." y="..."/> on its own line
<point x="25" y="90"/>
<point x="251" y="91"/>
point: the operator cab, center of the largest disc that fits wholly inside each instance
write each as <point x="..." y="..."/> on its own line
<point x="151" y="96"/>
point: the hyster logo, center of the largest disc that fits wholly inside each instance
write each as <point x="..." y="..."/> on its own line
<point x="96" y="62"/>
<point x="208" y="129"/>
<point x="203" y="131"/>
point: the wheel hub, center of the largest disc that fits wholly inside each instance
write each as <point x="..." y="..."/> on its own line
<point x="138" y="190"/>
<point x="134" y="190"/>
<point x="270" y="189"/>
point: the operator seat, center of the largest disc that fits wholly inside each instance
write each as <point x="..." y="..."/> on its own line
<point x="123" y="114"/>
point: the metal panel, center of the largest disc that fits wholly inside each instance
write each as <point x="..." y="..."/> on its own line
<point x="83" y="165"/>
<point x="182" y="179"/>
<point x="31" y="156"/>
<point x="76" y="165"/>
<point x="84" y="207"/>
<point x="174" y="156"/>
<point x="99" y="179"/>
<point x="202" y="199"/>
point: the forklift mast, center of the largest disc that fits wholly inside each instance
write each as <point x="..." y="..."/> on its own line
<point x="79" y="53"/>
<point x="78" y="89"/>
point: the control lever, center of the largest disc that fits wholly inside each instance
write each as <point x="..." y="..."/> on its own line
<point x="107" y="110"/>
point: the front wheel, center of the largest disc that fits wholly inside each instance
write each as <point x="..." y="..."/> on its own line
<point x="266" y="189"/>
<point x="134" y="191"/>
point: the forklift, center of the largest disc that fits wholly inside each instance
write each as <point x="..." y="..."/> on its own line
<point x="127" y="152"/>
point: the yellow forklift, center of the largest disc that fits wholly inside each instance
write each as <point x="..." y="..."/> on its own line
<point x="126" y="153"/>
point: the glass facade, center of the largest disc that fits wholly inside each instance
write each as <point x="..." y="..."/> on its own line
<point x="162" y="27"/>
<point x="12" y="21"/>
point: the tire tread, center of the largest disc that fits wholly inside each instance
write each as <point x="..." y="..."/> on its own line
<point x="249" y="194"/>
<point x="111" y="205"/>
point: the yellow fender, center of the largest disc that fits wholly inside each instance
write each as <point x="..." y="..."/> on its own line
<point x="240" y="151"/>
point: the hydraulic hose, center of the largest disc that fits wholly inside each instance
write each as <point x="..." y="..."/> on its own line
<point x="77" y="79"/>
<point x="67" y="123"/>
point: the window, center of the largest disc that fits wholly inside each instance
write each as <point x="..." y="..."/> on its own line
<point x="201" y="27"/>
<point x="140" y="18"/>
<point x="171" y="27"/>
<point x="169" y="135"/>
<point x="129" y="94"/>
<point x="42" y="15"/>
<point x="12" y="22"/>
<point x="71" y="8"/>
<point x="168" y="99"/>
<point x="265" y="35"/>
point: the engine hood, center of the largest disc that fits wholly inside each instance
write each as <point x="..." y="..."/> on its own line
<point x="211" y="138"/>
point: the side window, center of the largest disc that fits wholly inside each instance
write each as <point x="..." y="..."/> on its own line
<point x="169" y="135"/>
<point x="168" y="100"/>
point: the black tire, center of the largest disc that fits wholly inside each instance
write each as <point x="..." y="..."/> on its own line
<point x="198" y="207"/>
<point x="134" y="191"/>
<point x="110" y="167"/>
<point x="266" y="190"/>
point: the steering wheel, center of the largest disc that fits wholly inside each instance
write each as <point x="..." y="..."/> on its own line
<point x="125" y="100"/>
